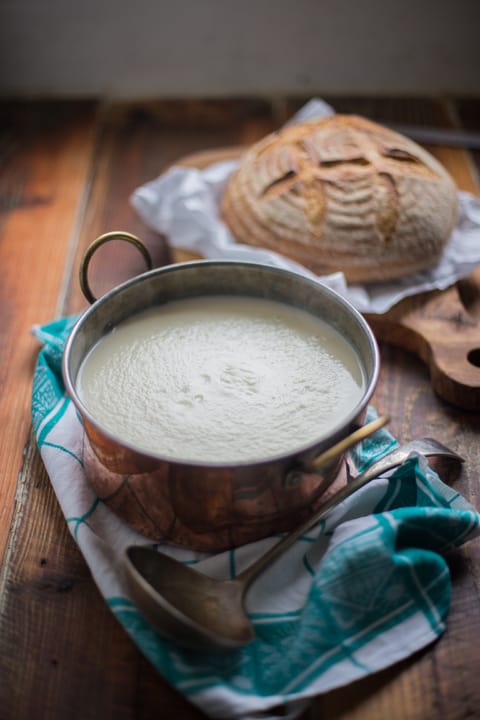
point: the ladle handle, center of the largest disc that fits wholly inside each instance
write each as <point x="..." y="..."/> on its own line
<point x="92" y="249"/>
<point x="251" y="572"/>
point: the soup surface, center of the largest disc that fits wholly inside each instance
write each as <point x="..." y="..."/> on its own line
<point x="220" y="379"/>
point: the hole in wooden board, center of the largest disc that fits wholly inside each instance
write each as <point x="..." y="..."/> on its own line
<point x="473" y="357"/>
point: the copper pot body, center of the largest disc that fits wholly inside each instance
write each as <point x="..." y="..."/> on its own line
<point x="212" y="507"/>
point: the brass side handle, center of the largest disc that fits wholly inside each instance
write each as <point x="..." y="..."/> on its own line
<point x="93" y="247"/>
<point x="293" y="477"/>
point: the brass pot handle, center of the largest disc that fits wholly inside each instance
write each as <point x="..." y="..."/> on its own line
<point x="91" y="250"/>
<point x="334" y="452"/>
<point x="361" y="433"/>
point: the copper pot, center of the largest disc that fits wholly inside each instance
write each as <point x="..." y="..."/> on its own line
<point x="212" y="507"/>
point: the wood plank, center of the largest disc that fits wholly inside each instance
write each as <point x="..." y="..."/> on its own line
<point x="46" y="159"/>
<point x="138" y="143"/>
<point x="52" y="665"/>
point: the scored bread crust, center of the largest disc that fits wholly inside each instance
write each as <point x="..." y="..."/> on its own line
<point x="343" y="193"/>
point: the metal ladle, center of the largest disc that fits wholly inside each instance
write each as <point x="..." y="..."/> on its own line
<point x="197" y="611"/>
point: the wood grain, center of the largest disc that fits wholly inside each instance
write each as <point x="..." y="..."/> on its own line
<point x="439" y="330"/>
<point x="46" y="160"/>
<point x="137" y="144"/>
<point x="69" y="172"/>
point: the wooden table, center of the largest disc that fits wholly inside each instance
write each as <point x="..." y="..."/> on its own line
<point x="67" y="170"/>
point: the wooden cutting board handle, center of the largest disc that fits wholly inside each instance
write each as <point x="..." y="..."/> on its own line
<point x="436" y="326"/>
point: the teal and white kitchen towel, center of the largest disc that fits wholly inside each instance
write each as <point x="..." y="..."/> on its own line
<point x="366" y="588"/>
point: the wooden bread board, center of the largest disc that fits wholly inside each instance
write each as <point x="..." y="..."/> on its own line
<point x="434" y="325"/>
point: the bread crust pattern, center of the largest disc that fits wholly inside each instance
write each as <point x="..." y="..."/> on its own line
<point x="343" y="193"/>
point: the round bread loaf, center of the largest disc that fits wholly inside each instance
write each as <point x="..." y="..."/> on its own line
<point x="343" y="193"/>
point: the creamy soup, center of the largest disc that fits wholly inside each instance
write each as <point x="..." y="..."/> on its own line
<point x="220" y="379"/>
